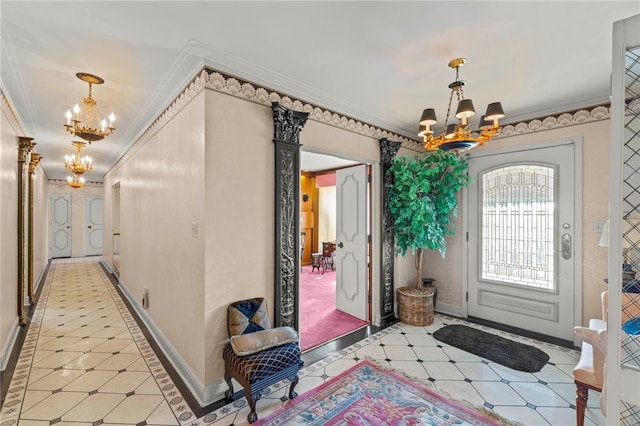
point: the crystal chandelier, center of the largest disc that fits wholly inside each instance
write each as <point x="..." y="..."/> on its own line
<point x="78" y="165"/>
<point x="459" y="137"/>
<point x="86" y="123"/>
<point x="76" y="181"/>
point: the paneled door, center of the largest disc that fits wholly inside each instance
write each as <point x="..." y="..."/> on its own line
<point x="352" y="280"/>
<point x="60" y="225"/>
<point x="522" y="236"/>
<point x="93" y="225"/>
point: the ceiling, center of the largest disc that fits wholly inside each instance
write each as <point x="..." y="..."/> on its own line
<point x="378" y="62"/>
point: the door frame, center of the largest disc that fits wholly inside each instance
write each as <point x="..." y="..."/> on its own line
<point x="578" y="230"/>
<point x="371" y="289"/>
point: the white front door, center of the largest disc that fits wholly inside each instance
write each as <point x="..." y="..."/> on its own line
<point x="60" y="225"/>
<point x="93" y="225"/>
<point x="522" y="238"/>
<point x="352" y="280"/>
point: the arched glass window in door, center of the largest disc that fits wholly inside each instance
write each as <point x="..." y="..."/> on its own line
<point x="517" y="226"/>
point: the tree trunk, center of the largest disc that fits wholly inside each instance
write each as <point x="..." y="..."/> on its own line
<point x="419" y="268"/>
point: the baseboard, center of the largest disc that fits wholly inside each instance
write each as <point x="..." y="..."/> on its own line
<point x="446" y="309"/>
<point x="8" y="345"/>
<point x="204" y="395"/>
<point x="107" y="266"/>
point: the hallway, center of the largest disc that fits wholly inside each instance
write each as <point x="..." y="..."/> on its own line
<point x="85" y="361"/>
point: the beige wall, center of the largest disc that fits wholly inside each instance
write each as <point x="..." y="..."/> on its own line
<point x="41" y="232"/>
<point x="595" y="197"/>
<point x="8" y="233"/>
<point x="161" y="194"/>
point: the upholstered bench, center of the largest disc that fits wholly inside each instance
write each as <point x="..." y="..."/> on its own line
<point x="258" y="356"/>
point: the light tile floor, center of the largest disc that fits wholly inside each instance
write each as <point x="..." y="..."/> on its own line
<point x="85" y="361"/>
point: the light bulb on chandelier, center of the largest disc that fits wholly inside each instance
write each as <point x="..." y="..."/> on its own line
<point x="80" y="164"/>
<point x="86" y="124"/>
<point x="76" y="181"/>
<point x="459" y="137"/>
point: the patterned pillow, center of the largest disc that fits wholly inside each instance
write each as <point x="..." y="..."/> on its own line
<point x="251" y="343"/>
<point x="248" y="316"/>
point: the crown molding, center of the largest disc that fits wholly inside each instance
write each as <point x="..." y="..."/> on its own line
<point x="11" y="114"/>
<point x="215" y="80"/>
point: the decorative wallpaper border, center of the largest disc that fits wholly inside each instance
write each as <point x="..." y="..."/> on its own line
<point x="10" y="113"/>
<point x="213" y="80"/>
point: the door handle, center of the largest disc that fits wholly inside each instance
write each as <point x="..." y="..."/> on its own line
<point x="89" y="226"/>
<point x="68" y="227"/>
<point x="566" y="246"/>
<point x="340" y="245"/>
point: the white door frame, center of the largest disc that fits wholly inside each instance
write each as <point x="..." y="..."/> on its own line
<point x="577" y="141"/>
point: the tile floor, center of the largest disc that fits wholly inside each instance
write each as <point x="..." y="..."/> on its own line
<point x="85" y="361"/>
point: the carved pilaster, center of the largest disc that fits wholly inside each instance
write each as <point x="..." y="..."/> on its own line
<point x="388" y="150"/>
<point x="287" y="125"/>
<point x="25" y="146"/>
<point x="34" y="160"/>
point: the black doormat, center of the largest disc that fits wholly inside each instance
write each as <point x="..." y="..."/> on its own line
<point x="506" y="352"/>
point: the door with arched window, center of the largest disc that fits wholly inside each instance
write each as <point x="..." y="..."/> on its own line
<point x="522" y="239"/>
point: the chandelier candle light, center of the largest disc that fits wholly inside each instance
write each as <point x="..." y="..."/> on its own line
<point x="87" y="124"/>
<point x="76" y="181"/>
<point x="459" y="137"/>
<point x="78" y="165"/>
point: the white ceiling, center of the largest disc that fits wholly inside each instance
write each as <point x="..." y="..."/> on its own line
<point x="378" y="62"/>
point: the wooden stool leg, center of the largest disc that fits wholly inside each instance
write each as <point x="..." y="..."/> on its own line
<point x="582" y="395"/>
<point x="294" y="382"/>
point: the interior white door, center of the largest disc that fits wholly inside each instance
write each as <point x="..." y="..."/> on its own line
<point x="522" y="240"/>
<point x="93" y="218"/>
<point x="60" y="225"/>
<point x="352" y="281"/>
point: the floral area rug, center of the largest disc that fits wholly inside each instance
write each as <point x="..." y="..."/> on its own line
<point x="367" y="394"/>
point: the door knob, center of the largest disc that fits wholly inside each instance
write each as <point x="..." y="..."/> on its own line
<point x="89" y="226"/>
<point x="340" y="245"/>
<point x="68" y="227"/>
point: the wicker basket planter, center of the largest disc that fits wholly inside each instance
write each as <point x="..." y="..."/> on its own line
<point x="415" y="307"/>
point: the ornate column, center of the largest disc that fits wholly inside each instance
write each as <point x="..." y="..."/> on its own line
<point x="287" y="125"/>
<point x="388" y="150"/>
<point x="25" y="146"/>
<point x="34" y="160"/>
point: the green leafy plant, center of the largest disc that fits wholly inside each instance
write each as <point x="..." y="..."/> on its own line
<point x="423" y="201"/>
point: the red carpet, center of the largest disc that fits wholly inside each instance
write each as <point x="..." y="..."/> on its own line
<point x="320" y="321"/>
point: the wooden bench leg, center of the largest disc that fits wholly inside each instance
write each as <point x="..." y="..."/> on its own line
<point x="582" y="395"/>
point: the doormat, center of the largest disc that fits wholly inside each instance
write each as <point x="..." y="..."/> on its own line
<point x="367" y="394"/>
<point x="509" y="353"/>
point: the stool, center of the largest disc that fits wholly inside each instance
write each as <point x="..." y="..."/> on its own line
<point x="316" y="261"/>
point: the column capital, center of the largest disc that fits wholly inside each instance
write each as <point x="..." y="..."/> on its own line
<point x="34" y="160"/>
<point x="25" y="146"/>
<point x="388" y="150"/>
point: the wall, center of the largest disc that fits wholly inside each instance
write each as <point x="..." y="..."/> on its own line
<point x="41" y="219"/>
<point x="595" y="197"/>
<point x="9" y="132"/>
<point x="161" y="195"/>
<point x="77" y="210"/>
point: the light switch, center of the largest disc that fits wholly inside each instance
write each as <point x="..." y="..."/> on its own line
<point x="194" y="229"/>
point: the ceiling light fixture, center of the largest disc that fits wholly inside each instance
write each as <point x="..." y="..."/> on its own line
<point x="78" y="165"/>
<point x="76" y="181"/>
<point x="459" y="137"/>
<point x="88" y="125"/>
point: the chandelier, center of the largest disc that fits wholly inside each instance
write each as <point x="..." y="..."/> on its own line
<point x="76" y="181"/>
<point x="86" y="124"/>
<point x="78" y="165"/>
<point x="459" y="137"/>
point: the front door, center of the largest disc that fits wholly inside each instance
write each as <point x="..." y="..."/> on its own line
<point x="60" y="225"/>
<point x="93" y="225"/>
<point x="522" y="239"/>
<point x="352" y="282"/>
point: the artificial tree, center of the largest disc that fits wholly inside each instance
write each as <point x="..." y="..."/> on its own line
<point x="423" y="201"/>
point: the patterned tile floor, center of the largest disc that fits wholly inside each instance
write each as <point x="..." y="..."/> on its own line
<point x="85" y="361"/>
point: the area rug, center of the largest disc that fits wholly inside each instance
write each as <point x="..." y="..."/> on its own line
<point x="367" y="394"/>
<point x="320" y="321"/>
<point x="509" y="353"/>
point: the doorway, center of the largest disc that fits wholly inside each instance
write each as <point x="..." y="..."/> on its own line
<point x="522" y="252"/>
<point x="93" y="225"/>
<point x="60" y="225"/>
<point x="334" y="287"/>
